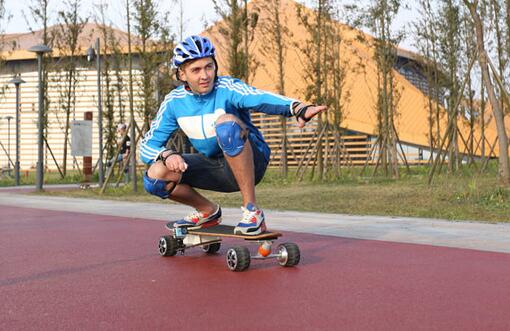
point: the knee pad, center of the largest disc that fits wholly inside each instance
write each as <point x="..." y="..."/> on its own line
<point x="229" y="137"/>
<point x="157" y="187"/>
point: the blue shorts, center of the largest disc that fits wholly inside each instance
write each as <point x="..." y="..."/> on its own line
<point x="214" y="174"/>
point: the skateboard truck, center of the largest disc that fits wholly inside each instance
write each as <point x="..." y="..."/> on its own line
<point x="180" y="232"/>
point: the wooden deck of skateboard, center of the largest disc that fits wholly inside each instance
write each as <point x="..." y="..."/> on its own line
<point x="227" y="231"/>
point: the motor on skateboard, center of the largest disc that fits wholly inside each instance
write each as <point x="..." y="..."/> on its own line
<point x="239" y="257"/>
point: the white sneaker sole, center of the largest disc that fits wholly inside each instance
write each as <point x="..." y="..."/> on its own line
<point x="247" y="232"/>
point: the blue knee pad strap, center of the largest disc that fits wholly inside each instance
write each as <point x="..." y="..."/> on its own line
<point x="157" y="186"/>
<point x="229" y="137"/>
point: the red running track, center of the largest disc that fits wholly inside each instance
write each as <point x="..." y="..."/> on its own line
<point x="61" y="270"/>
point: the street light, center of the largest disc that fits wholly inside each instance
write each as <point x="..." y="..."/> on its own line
<point x="91" y="54"/>
<point x="17" y="81"/>
<point x="39" y="178"/>
<point x="9" y="118"/>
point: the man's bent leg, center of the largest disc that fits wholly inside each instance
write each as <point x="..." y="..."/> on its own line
<point x="233" y="140"/>
<point x="182" y="193"/>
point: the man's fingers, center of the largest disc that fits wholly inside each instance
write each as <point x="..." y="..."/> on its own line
<point x="179" y="166"/>
<point x="183" y="166"/>
<point x="176" y="163"/>
<point x="322" y="108"/>
<point x="312" y="111"/>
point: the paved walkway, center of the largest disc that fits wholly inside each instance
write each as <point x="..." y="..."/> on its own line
<point x="471" y="235"/>
<point x="93" y="265"/>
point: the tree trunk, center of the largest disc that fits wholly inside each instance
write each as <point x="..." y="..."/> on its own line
<point x="281" y="84"/>
<point x="504" y="169"/>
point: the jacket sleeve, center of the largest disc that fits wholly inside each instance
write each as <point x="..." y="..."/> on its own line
<point x="248" y="97"/>
<point x="162" y="128"/>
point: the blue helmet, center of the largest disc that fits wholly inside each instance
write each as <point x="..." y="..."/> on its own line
<point x="192" y="48"/>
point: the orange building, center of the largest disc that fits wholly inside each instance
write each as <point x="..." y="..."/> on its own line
<point x="359" y="120"/>
<point x="360" y="114"/>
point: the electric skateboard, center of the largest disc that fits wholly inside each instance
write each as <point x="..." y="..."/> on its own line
<point x="239" y="257"/>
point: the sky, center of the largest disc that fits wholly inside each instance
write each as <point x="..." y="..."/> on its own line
<point x="197" y="14"/>
<point x="195" y="11"/>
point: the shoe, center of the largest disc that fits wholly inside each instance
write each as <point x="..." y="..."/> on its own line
<point x="253" y="222"/>
<point x="197" y="218"/>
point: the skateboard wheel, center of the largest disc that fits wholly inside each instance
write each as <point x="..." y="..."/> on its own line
<point x="238" y="258"/>
<point x="167" y="246"/>
<point x="288" y="254"/>
<point x="211" y="248"/>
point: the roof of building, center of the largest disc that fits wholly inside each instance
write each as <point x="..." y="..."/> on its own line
<point x="15" y="46"/>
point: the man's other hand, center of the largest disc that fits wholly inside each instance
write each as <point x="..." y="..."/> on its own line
<point x="176" y="163"/>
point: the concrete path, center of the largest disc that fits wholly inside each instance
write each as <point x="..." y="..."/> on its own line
<point x="93" y="265"/>
<point x="471" y="235"/>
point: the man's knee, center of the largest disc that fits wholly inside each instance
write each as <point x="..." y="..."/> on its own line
<point x="159" y="181"/>
<point x="231" y="137"/>
<point x="158" y="170"/>
<point x="228" y="118"/>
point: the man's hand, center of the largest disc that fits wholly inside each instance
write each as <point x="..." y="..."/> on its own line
<point x="309" y="114"/>
<point x="174" y="162"/>
<point x="305" y="113"/>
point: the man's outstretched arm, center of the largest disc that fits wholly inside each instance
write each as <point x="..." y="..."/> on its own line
<point x="248" y="97"/>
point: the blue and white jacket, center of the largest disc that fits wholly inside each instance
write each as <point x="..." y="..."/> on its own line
<point x="196" y="114"/>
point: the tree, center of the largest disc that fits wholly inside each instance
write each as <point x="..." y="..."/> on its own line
<point x="449" y="32"/>
<point x="340" y="95"/>
<point x="275" y="40"/>
<point x="181" y="28"/>
<point x="313" y="73"/>
<point x="324" y="74"/>
<point x="3" y="15"/>
<point x="426" y="43"/>
<point x="471" y="109"/>
<point x="238" y="29"/>
<point x="39" y="12"/>
<point x="483" y="60"/>
<point x="112" y="80"/>
<point x="132" y="152"/>
<point x="379" y="17"/>
<point x="154" y="43"/>
<point x="148" y="26"/>
<point x="4" y="18"/>
<point x="66" y="40"/>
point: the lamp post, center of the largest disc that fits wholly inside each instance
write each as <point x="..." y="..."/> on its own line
<point x="91" y="54"/>
<point x="39" y="176"/>
<point x="17" y="81"/>
<point x="9" y="118"/>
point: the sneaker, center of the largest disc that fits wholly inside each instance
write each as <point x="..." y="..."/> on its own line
<point x="253" y="222"/>
<point x="197" y="218"/>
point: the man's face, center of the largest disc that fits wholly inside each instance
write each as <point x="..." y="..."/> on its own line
<point x="199" y="75"/>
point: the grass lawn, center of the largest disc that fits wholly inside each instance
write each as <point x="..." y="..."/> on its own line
<point x="466" y="195"/>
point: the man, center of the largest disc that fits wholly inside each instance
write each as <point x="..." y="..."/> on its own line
<point x="124" y="141"/>
<point x="214" y="112"/>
